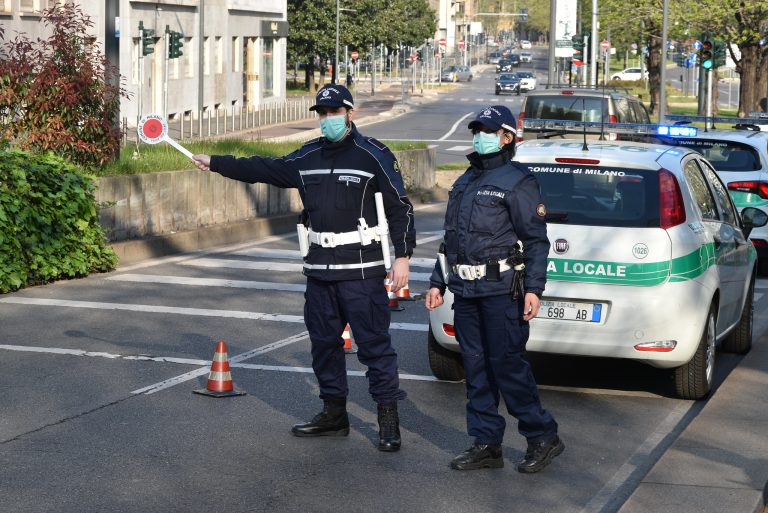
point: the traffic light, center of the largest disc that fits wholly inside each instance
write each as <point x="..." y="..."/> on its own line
<point x="147" y="40"/>
<point x="707" y="57"/>
<point x="174" y="45"/>
<point x="420" y="54"/>
<point x="578" y="43"/>
<point x="719" y="54"/>
<point x="524" y="15"/>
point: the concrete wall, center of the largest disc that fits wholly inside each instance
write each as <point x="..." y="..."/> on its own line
<point x="159" y="204"/>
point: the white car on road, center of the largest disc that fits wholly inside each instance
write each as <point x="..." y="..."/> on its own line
<point x="649" y="261"/>
<point x="630" y="74"/>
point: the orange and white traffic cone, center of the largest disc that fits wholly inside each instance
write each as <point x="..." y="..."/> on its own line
<point x="220" y="378"/>
<point x="394" y="304"/>
<point x="404" y="294"/>
<point x="347" y="336"/>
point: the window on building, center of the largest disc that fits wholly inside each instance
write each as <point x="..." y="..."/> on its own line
<point x="189" y="61"/>
<point x="236" y="54"/>
<point x="5" y="5"/>
<point x="219" y="51"/>
<point x="27" y="5"/>
<point x="207" y="56"/>
<point x="267" y="68"/>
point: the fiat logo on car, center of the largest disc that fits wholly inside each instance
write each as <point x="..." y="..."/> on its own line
<point x="561" y="246"/>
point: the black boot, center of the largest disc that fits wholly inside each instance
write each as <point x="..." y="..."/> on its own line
<point x="539" y="455"/>
<point x="389" y="428"/>
<point x="479" y="456"/>
<point x="332" y="421"/>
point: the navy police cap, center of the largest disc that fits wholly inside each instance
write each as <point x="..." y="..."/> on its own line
<point x="333" y="96"/>
<point x="495" y="118"/>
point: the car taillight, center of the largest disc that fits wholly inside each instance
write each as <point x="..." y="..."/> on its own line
<point x="571" y="160"/>
<point x="448" y="329"/>
<point x="567" y="91"/>
<point x="751" y="186"/>
<point x="612" y="118"/>
<point x="671" y="207"/>
<point x="520" y="127"/>
<point x="759" y="243"/>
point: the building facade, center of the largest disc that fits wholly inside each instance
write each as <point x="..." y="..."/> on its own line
<point x="232" y="55"/>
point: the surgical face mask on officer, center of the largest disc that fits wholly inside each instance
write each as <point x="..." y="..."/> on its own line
<point x="486" y="143"/>
<point x="333" y="127"/>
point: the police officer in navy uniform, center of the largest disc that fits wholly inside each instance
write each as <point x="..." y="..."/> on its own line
<point x="337" y="176"/>
<point x="493" y="210"/>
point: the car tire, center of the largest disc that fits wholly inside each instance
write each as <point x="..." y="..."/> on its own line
<point x="444" y="363"/>
<point x="694" y="379"/>
<point x="497" y="93"/>
<point x="740" y="339"/>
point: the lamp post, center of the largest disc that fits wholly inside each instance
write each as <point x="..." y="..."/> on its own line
<point x="335" y="75"/>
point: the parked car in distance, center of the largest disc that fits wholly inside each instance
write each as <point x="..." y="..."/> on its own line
<point x="457" y="74"/>
<point x="630" y="74"/>
<point x="527" y="80"/>
<point x="526" y="57"/>
<point x="525" y="45"/>
<point x="493" y="57"/>
<point x="649" y="261"/>
<point x="508" y="83"/>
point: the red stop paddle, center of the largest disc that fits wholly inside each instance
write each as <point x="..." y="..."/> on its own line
<point x="154" y="129"/>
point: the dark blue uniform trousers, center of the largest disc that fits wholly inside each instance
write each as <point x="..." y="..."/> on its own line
<point x="364" y="304"/>
<point x="492" y="336"/>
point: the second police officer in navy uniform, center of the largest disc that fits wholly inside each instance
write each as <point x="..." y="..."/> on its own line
<point x="492" y="208"/>
<point x="337" y="176"/>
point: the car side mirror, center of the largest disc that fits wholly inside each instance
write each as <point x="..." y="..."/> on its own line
<point x="752" y="218"/>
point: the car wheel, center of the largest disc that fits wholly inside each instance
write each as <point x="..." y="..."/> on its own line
<point x="445" y="364"/>
<point x="694" y="379"/>
<point x="497" y="92"/>
<point x="740" y="339"/>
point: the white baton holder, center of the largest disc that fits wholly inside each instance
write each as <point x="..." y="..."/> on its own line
<point x="303" y="233"/>
<point x="443" y="266"/>
<point x="383" y="230"/>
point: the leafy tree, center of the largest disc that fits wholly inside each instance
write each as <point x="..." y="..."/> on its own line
<point x="56" y="94"/>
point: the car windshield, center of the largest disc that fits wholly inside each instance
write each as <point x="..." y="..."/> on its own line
<point x="452" y="68"/>
<point x="525" y="74"/>
<point x="584" y="195"/>
<point x="503" y="61"/>
<point x="724" y="155"/>
<point x="566" y="107"/>
<point x="507" y="77"/>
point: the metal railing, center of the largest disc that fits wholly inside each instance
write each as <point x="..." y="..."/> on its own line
<point x="218" y="122"/>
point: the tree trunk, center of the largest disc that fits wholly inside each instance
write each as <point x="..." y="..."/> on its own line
<point x="762" y="81"/>
<point x="654" y="65"/>
<point x="749" y="95"/>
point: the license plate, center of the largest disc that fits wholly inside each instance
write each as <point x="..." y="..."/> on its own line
<point x="570" y="311"/>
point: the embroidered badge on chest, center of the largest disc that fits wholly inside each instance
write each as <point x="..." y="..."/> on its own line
<point x="541" y="210"/>
<point x="348" y="178"/>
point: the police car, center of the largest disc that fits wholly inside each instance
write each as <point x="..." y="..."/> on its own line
<point x="649" y="259"/>
<point x="740" y="157"/>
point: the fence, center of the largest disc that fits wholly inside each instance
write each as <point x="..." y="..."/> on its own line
<point x="215" y="122"/>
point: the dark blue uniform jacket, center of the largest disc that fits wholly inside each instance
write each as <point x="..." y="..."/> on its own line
<point x="492" y="205"/>
<point x="336" y="182"/>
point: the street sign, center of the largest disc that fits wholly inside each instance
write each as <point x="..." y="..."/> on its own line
<point x="577" y="62"/>
<point x="696" y="45"/>
<point x="461" y="43"/>
<point x="605" y="44"/>
<point x="354" y="55"/>
<point x="442" y="41"/>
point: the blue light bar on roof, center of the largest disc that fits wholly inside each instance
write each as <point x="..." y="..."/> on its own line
<point x="677" y="131"/>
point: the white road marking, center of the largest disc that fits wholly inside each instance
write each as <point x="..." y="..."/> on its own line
<point x="459" y="148"/>
<point x="208" y="282"/>
<point x="235" y="363"/>
<point x="288" y="254"/>
<point x="202" y="312"/>
<point x="454" y="127"/>
<point x="758" y="295"/>
<point x="631" y="473"/>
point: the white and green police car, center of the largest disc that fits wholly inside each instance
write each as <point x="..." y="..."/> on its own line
<point x="740" y="157"/>
<point x="649" y="261"/>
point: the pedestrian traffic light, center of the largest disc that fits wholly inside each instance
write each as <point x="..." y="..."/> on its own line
<point x="719" y="54"/>
<point x="174" y="45"/>
<point x="706" y="54"/>
<point x="147" y="40"/>
<point x="420" y="54"/>
<point x="578" y="43"/>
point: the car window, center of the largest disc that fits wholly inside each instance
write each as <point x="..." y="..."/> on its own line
<point x="641" y="115"/>
<point x="700" y="191"/>
<point x="623" y="110"/>
<point x="620" y="197"/>
<point x="722" y="197"/>
<point x="724" y="155"/>
<point x="566" y="107"/>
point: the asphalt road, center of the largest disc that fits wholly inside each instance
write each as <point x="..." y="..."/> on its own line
<point x="98" y="413"/>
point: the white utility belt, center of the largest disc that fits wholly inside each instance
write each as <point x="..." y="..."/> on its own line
<point x="476" y="272"/>
<point x="364" y="236"/>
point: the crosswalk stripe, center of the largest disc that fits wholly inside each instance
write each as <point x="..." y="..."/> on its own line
<point x="201" y="312"/>
<point x="458" y="148"/>
<point x="208" y="282"/>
